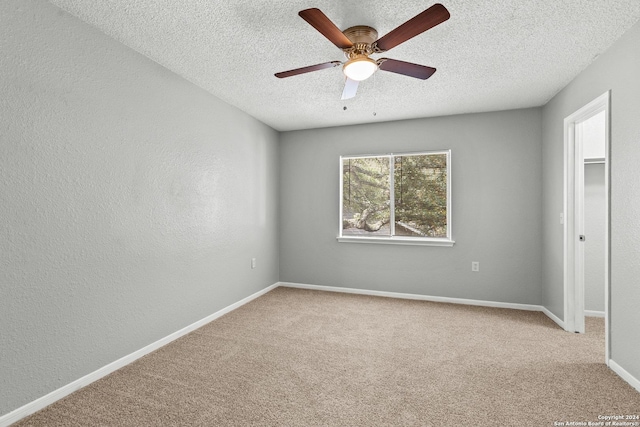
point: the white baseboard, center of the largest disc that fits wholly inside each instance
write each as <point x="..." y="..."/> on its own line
<point x="515" y="306"/>
<point x="44" y="401"/>
<point x="633" y="381"/>
<point x="553" y="317"/>
<point x="593" y="313"/>
<point x="481" y="303"/>
<point x="58" y="394"/>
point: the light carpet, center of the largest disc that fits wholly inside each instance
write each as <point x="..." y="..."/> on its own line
<point x="309" y="358"/>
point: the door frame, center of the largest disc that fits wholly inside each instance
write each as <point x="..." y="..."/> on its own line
<point x="574" y="217"/>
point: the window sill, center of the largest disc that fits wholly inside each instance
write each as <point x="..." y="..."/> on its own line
<point x="397" y="241"/>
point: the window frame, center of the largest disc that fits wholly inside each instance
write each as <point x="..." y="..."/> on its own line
<point x="392" y="239"/>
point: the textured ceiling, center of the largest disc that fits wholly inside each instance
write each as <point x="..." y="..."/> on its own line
<point x="490" y="55"/>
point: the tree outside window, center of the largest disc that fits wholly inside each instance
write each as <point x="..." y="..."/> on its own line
<point x="401" y="195"/>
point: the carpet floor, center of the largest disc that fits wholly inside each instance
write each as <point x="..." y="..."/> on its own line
<point x="309" y="358"/>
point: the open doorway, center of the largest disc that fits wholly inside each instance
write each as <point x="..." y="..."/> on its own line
<point x="593" y="137"/>
<point x="586" y="213"/>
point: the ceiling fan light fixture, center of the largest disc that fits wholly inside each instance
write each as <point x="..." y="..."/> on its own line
<point x="359" y="68"/>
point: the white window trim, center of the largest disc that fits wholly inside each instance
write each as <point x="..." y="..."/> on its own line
<point x="399" y="240"/>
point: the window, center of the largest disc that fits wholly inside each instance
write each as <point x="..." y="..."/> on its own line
<point x="396" y="198"/>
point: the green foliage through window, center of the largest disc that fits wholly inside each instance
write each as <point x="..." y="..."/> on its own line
<point x="418" y="205"/>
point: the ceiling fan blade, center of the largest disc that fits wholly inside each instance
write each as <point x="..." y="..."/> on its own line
<point x="308" y="69"/>
<point x="406" y="68"/>
<point x="350" y="88"/>
<point x="420" y="23"/>
<point x="320" y="22"/>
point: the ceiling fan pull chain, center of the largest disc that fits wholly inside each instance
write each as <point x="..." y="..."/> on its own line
<point x="375" y="93"/>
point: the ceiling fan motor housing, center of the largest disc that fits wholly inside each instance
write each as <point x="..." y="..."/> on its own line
<point x="362" y="37"/>
<point x="361" y="34"/>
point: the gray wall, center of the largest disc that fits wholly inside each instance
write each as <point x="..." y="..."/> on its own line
<point x="595" y="225"/>
<point x="617" y="70"/>
<point x="496" y="167"/>
<point x="131" y="201"/>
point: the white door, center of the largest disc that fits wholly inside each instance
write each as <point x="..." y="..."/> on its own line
<point x="574" y="225"/>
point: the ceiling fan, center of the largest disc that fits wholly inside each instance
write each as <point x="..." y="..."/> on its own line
<point x="360" y="42"/>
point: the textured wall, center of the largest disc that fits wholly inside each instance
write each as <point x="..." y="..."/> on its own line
<point x="595" y="225"/>
<point x="496" y="167"/>
<point x="617" y="70"/>
<point x="131" y="201"/>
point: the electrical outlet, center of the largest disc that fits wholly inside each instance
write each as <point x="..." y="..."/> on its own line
<point x="475" y="266"/>
<point x="253" y="263"/>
